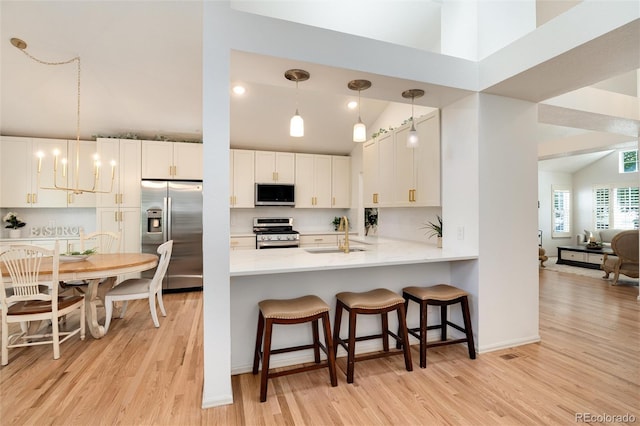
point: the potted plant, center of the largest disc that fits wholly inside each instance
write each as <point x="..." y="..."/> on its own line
<point x="434" y="230"/>
<point x="14" y="224"/>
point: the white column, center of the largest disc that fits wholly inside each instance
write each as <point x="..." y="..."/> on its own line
<point x="216" y="293"/>
<point x="489" y="187"/>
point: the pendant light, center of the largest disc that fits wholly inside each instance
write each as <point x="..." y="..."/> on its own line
<point x="412" y="138"/>
<point x="359" y="129"/>
<point x="296" y="126"/>
<point x="74" y="187"/>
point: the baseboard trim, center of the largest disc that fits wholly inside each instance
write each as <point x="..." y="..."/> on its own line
<point x="217" y="402"/>
<point x="508" y="344"/>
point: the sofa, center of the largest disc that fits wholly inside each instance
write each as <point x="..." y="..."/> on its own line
<point x="603" y="236"/>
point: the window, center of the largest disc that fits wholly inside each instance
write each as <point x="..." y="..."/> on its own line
<point x="616" y="207"/>
<point x="628" y="162"/>
<point x="561" y="220"/>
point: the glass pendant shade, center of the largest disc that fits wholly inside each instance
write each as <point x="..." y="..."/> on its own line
<point x="359" y="131"/>
<point x="412" y="137"/>
<point x="296" y="127"/>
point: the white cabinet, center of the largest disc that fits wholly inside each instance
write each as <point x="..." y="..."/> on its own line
<point x="126" y="182"/>
<point x="417" y="170"/>
<point x="241" y="178"/>
<point x="313" y="181"/>
<point x="319" y="240"/>
<point x="126" y="221"/>
<point x="340" y="182"/>
<point x="397" y="176"/>
<point x="119" y="210"/>
<point x="378" y="171"/>
<point x="370" y="173"/>
<point x="21" y="184"/>
<point x="243" y="243"/>
<point x="171" y="160"/>
<point x="274" y="167"/>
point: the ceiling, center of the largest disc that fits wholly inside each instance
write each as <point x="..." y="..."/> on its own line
<point x="142" y="75"/>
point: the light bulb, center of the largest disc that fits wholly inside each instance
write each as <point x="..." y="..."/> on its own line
<point x="296" y="127"/>
<point x="412" y="137"/>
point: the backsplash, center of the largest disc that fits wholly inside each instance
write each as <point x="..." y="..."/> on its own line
<point x="304" y="220"/>
<point x="51" y="223"/>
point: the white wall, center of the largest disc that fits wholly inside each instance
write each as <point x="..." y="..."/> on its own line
<point x="603" y="171"/>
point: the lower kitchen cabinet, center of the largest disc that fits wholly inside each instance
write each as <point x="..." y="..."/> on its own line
<point x="243" y="243"/>
<point x="319" y="240"/>
<point x="125" y="221"/>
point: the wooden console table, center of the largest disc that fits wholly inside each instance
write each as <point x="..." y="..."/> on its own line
<point x="582" y="256"/>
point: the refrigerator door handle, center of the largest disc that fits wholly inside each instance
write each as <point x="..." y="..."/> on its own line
<point x="167" y="219"/>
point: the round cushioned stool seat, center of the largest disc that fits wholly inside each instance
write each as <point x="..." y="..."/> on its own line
<point x="301" y="307"/>
<point x="375" y="299"/>
<point x="442" y="292"/>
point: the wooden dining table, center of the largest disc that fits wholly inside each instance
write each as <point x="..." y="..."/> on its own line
<point x="97" y="270"/>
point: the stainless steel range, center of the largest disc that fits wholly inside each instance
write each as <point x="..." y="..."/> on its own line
<point x="275" y="232"/>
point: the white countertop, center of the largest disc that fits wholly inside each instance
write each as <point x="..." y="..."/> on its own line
<point x="378" y="252"/>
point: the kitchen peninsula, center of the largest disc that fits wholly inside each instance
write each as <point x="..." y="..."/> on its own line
<point x="293" y="272"/>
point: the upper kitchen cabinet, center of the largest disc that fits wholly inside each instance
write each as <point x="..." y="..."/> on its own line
<point x="378" y="171"/>
<point x="171" y="160"/>
<point x="126" y="181"/>
<point x="313" y="181"/>
<point x="22" y="186"/>
<point x="417" y="170"/>
<point x="275" y="167"/>
<point x="397" y="176"/>
<point x="241" y="178"/>
<point x="341" y="182"/>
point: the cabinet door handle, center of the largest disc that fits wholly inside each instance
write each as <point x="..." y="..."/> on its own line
<point x="70" y="198"/>
<point x="34" y="198"/>
<point x="277" y="176"/>
<point x="28" y="198"/>
<point x="115" y="216"/>
<point x="333" y="201"/>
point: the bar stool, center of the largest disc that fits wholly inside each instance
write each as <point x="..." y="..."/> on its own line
<point x="293" y="311"/>
<point x="380" y="301"/>
<point x="441" y="295"/>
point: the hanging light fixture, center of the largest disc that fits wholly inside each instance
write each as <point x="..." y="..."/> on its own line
<point x="359" y="129"/>
<point x="75" y="187"/>
<point x="412" y="138"/>
<point x="296" y="126"/>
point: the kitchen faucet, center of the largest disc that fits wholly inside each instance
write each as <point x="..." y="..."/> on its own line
<point x="344" y="226"/>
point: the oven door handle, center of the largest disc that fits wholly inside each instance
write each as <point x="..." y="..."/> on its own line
<point x="280" y="244"/>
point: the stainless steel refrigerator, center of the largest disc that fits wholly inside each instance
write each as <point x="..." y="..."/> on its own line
<point x="172" y="210"/>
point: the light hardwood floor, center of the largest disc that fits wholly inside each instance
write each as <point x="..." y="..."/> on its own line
<point x="588" y="362"/>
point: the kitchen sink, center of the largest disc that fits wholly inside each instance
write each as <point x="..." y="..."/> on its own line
<point x="331" y="250"/>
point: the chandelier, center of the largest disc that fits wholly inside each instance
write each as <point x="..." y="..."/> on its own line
<point x="75" y="185"/>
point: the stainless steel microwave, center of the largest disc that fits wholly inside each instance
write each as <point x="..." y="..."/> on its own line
<point x="272" y="194"/>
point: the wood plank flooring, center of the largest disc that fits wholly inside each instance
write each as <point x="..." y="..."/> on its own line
<point x="588" y="362"/>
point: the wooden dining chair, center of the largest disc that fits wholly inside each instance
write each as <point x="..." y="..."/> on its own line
<point x="101" y="242"/>
<point x="26" y="301"/>
<point x="141" y="288"/>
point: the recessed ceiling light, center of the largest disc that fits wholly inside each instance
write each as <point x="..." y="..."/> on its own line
<point x="239" y="90"/>
<point x="352" y="105"/>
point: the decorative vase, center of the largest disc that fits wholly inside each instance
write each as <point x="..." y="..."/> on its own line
<point x="14" y="233"/>
<point x="439" y="242"/>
